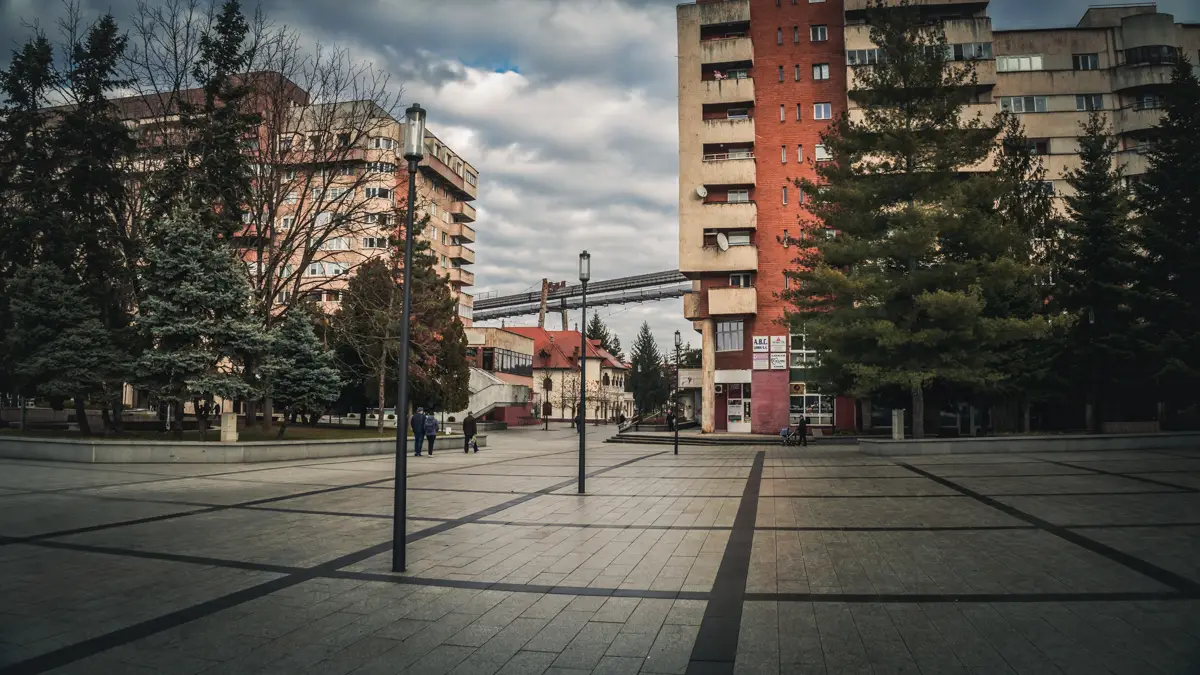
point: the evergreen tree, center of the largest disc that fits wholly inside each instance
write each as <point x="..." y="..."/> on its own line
<point x="438" y="374"/>
<point x="647" y="381"/>
<point x="1097" y="265"/>
<point x="896" y="301"/>
<point x="609" y="342"/>
<point x="367" y="322"/>
<point x="614" y="348"/>
<point x="304" y="380"/>
<point x="1170" y="236"/>
<point x="194" y="315"/>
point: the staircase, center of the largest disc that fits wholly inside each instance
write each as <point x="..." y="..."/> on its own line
<point x="489" y="392"/>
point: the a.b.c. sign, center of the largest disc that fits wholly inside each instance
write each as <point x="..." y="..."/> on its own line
<point x="761" y="344"/>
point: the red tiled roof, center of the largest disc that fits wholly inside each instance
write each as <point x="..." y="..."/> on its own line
<point x="559" y="349"/>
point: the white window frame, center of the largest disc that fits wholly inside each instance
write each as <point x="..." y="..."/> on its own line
<point x="820" y="71"/>
<point x="1019" y="63"/>
<point x="1089" y="102"/>
<point x="383" y="143"/>
<point x="738" y="237"/>
<point x="374" y="242"/>
<point x="1010" y="104"/>
<point x="782" y="112"/>
<point x="741" y="280"/>
<point x="819" y="108"/>
<point x="785" y="195"/>
<point x="818" y="33"/>
<point x="379" y="193"/>
<point x="797" y="72"/>
<point x="783" y="154"/>
<point x="745" y="114"/>
<point x="800" y="153"/>
<point x="731" y="336"/>
<point x="821" y="153"/>
<point x="742" y="196"/>
<point x="335" y="244"/>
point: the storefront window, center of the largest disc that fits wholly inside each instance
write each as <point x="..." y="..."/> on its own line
<point x="806" y="401"/>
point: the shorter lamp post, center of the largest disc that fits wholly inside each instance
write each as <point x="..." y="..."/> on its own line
<point x="585" y="273"/>
<point x="675" y="403"/>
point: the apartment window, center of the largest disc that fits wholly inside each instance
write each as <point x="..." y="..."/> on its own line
<point x="1085" y="61"/>
<point x="969" y="51"/>
<point x="1147" y="102"/>
<point x="1039" y="146"/>
<point x="785" y="195"/>
<point x="795" y="35"/>
<point x="813" y="2"/>
<point x="336" y="244"/>
<point x="740" y="280"/>
<point x="822" y="111"/>
<point x="1046" y="186"/>
<point x="287" y="222"/>
<point x="737" y="74"/>
<point x="862" y="57"/>
<point x="1089" y="102"/>
<point x="1008" y="64"/>
<point x="782" y="113"/>
<point x="1151" y="54"/>
<point x="343" y="140"/>
<point x="1023" y="104"/>
<point x="729" y="336"/>
<point x="821" y="153"/>
<point x="346" y="170"/>
<point x="798" y="112"/>
<point x="738" y="196"/>
<point x="783" y="154"/>
<point x="819" y="33"/>
<point x="738" y="238"/>
<point x="799" y="153"/>
<point x="781" y="73"/>
<point x="382" y="143"/>
<point x="820" y="71"/>
<point x="381" y="193"/>
<point x="374" y="242"/>
<point x="797" y="72"/>
<point x="291" y="199"/>
<point x="285" y="144"/>
<point x="333" y="296"/>
<point x="471" y="178"/>
<point x="778" y="36"/>
<point x="737" y="114"/>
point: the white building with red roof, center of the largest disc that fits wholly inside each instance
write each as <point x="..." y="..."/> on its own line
<point x="556" y="359"/>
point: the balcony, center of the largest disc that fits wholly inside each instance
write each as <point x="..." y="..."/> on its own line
<point x="462" y="231"/>
<point x="731" y="11"/>
<point x="726" y="216"/>
<point x="726" y="50"/>
<point x="1128" y="120"/>
<point x="691" y="307"/>
<point x="462" y="254"/>
<point x="723" y="170"/>
<point x="699" y="259"/>
<point x="861" y="5"/>
<point x="434" y="167"/>
<point x="463" y="212"/>
<point x="732" y="301"/>
<point x="460" y="277"/>
<point x="727" y="90"/>
<point x="1134" y="77"/>
<point x="728" y="131"/>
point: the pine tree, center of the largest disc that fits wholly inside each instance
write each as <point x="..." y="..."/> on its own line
<point x="609" y="342"/>
<point x="368" y="324"/>
<point x="614" y="348"/>
<point x="647" y="381"/>
<point x="304" y="380"/>
<point x="194" y="315"/>
<point x="894" y="296"/>
<point x="1169" y="281"/>
<point x="436" y="378"/>
<point x="1097" y="266"/>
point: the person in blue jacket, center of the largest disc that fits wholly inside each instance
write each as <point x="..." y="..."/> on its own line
<point x="431" y="429"/>
<point x="418" y="429"/>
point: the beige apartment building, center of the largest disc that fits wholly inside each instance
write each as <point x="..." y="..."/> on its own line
<point x="758" y="82"/>
<point x="447" y="184"/>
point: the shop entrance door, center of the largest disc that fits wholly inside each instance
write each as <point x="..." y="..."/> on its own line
<point x="738" y="407"/>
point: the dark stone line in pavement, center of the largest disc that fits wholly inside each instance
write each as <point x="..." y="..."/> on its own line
<point x="81" y="650"/>
<point x="920" y="598"/>
<point x="543" y="589"/>
<point x="1141" y="479"/>
<point x="1163" y="576"/>
<point x="715" y="649"/>
<point x="159" y="555"/>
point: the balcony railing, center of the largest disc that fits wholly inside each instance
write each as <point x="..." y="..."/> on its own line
<point x="457" y="275"/>
<point x="461" y="253"/>
<point x="722" y="156"/>
<point x="462" y="231"/>
<point x="463" y="212"/>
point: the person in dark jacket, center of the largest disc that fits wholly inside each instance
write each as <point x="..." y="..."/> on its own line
<point x="469" y="429"/>
<point x="802" y="429"/>
<point x="418" y="429"/>
<point x="431" y="429"/>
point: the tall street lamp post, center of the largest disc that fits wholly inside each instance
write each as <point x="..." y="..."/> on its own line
<point x="414" y="151"/>
<point x="585" y="273"/>
<point x="676" y="402"/>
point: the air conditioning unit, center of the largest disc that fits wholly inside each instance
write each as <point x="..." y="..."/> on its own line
<point x="720" y="389"/>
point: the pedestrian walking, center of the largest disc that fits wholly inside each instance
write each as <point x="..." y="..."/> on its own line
<point x="418" y="428"/>
<point x="670" y="421"/>
<point x="431" y="429"/>
<point x="803" y="429"/>
<point x="469" y="429"/>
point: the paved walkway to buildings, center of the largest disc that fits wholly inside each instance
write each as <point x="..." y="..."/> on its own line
<point x="718" y="560"/>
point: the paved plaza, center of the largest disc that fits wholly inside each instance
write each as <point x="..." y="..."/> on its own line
<point x="718" y="560"/>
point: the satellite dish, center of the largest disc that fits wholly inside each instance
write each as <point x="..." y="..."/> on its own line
<point x="701" y="191"/>
<point x="722" y="241"/>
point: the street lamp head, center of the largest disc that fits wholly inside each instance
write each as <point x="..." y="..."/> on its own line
<point x="678" y="341"/>
<point x="585" y="266"/>
<point x="414" y="133"/>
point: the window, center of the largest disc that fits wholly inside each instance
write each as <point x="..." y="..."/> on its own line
<point x="819" y="33"/>
<point x="1008" y="64"/>
<point x="333" y="296"/>
<point x="1149" y="55"/>
<point x="1046" y="186"/>
<point x="1147" y="102"/>
<point x="862" y="57"/>
<point x="822" y="111"/>
<point x="795" y="35"/>
<point x="290" y="174"/>
<point x="287" y="222"/>
<point x="471" y="178"/>
<point x="740" y="280"/>
<point x="798" y="112"/>
<point x="820" y="71"/>
<point x="374" y="242"/>
<point x="969" y="51"/>
<point x="729" y="336"/>
<point x="782" y="112"/>
<point x="1085" y="61"/>
<point x="285" y="144"/>
<point x="1023" y="104"/>
<point x="737" y="114"/>
<point x="1089" y="102"/>
<point x="737" y="73"/>
<point x="336" y="244"/>
<point x="739" y="196"/>
<point x="797" y="72"/>
<point x="821" y="153"/>
<point x="291" y="198"/>
<point x="381" y="193"/>
<point x="1039" y="146"/>
<point x="781" y="73"/>
<point x="382" y="143"/>
<point x="799" y="153"/>
<point x="783" y="154"/>
<point x="346" y="170"/>
<point x="778" y="36"/>
<point x="738" y="238"/>
<point x="343" y="140"/>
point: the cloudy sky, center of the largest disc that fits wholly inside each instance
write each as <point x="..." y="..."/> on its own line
<point x="567" y="108"/>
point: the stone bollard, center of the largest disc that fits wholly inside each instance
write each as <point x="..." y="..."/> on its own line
<point x="229" y="432"/>
<point x="898" y="424"/>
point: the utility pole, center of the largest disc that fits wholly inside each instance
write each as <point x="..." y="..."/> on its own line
<point x="542" y="308"/>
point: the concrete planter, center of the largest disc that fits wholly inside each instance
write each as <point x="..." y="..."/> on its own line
<point x="1018" y="444"/>
<point x="193" y="452"/>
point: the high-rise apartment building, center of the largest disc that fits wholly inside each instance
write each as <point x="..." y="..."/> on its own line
<point x="760" y="79"/>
